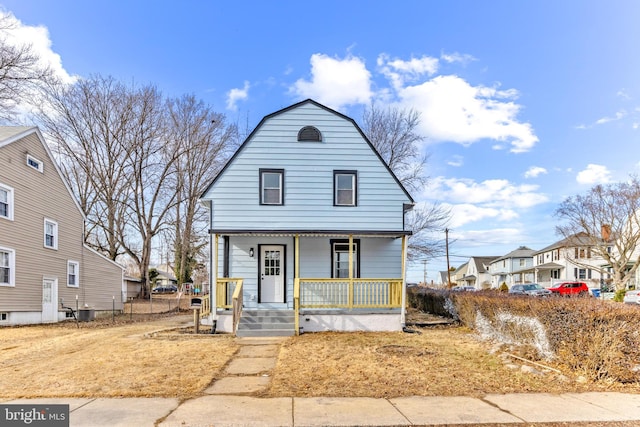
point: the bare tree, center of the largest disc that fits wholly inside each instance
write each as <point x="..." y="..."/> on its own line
<point x="606" y="220"/>
<point x="393" y="132"/>
<point x="20" y="70"/>
<point x="90" y="125"/>
<point x="205" y="142"/>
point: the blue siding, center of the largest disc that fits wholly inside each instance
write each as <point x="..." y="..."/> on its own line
<point x="308" y="186"/>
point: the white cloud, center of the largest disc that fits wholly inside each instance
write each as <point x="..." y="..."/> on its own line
<point x="619" y="115"/>
<point x="336" y="82"/>
<point x="622" y="93"/>
<point x="399" y="72"/>
<point x="456" y="161"/>
<point x="465" y="213"/>
<point x="38" y="37"/>
<point x="457" y="57"/>
<point x="494" y="236"/>
<point x="594" y="174"/>
<point x="235" y="95"/>
<point x="453" y="110"/>
<point x="534" y="172"/>
<point x="495" y="193"/>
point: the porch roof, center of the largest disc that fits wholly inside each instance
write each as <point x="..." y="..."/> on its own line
<point x="312" y="233"/>
<point x="546" y="266"/>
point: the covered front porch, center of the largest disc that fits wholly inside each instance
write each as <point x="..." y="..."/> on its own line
<point x="325" y="281"/>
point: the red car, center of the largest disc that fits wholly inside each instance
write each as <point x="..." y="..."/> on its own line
<point x="570" y="289"/>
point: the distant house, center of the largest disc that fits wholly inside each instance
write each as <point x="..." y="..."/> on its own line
<point x="43" y="258"/>
<point x="459" y="274"/>
<point x="307" y="225"/>
<point x="165" y="276"/>
<point x="568" y="259"/>
<point x="478" y="274"/>
<point x="512" y="268"/>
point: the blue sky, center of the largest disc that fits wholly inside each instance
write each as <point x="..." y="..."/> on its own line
<point x="523" y="103"/>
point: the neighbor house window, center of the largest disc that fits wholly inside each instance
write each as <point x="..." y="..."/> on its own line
<point x="271" y="186"/>
<point x="50" y="234"/>
<point x="345" y="188"/>
<point x="6" y="202"/>
<point x="7" y="267"/>
<point x="73" y="269"/>
<point x="35" y="163"/>
<point x="340" y="259"/>
<point x="522" y="262"/>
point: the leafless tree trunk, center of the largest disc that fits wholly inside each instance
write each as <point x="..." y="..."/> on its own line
<point x="20" y="71"/>
<point x="205" y="142"/>
<point x="393" y="133"/>
<point x="606" y="220"/>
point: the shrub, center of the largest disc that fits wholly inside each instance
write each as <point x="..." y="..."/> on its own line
<point x="596" y="339"/>
<point x="504" y="287"/>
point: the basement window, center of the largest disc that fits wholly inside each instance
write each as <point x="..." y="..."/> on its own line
<point x="4" y="317"/>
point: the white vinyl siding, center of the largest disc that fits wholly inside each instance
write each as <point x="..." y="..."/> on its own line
<point x="7" y="267"/>
<point x="6" y="202"/>
<point x="73" y="274"/>
<point x="50" y="234"/>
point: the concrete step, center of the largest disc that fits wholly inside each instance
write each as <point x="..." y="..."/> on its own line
<point x="266" y="323"/>
<point x="265" y="332"/>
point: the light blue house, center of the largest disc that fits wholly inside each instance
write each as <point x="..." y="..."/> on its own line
<point x="307" y="229"/>
<point x="512" y="268"/>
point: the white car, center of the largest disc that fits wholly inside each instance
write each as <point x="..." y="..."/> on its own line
<point x="632" y="297"/>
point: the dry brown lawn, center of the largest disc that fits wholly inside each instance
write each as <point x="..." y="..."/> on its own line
<point x="101" y="359"/>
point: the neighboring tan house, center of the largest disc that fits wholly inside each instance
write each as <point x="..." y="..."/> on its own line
<point x="459" y="274"/>
<point x="43" y="258"/>
<point x="478" y="274"/>
<point x="514" y="267"/>
<point x="568" y="260"/>
<point x="307" y="223"/>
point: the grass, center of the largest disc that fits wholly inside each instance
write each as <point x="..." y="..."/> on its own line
<point x="101" y="359"/>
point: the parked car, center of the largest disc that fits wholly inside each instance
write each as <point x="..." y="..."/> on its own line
<point x="632" y="297"/>
<point x="167" y="289"/>
<point x="533" y="289"/>
<point x="570" y="289"/>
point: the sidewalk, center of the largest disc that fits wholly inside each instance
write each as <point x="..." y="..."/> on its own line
<point x="226" y="403"/>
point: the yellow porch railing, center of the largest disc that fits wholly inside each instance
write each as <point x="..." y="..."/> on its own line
<point x="345" y="293"/>
<point x="205" y="309"/>
<point x="229" y="296"/>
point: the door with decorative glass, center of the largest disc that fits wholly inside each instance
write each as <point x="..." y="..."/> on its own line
<point x="271" y="274"/>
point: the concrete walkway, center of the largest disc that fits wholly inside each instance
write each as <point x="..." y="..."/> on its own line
<point x="227" y="403"/>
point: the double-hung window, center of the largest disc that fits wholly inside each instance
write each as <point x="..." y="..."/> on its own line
<point x="6" y="202"/>
<point x="50" y="234"/>
<point x="7" y="267"/>
<point x="271" y="186"/>
<point x="340" y="259"/>
<point x="345" y="186"/>
<point x="73" y="270"/>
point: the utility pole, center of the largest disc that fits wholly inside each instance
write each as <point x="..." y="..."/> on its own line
<point x="424" y="277"/>
<point x="446" y="241"/>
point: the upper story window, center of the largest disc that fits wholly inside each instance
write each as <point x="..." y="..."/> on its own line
<point x="50" y="234"/>
<point x="35" y="163"/>
<point x="309" y="133"/>
<point x="271" y="186"/>
<point x="345" y="184"/>
<point x="6" y="202"/>
<point x="7" y="267"/>
<point x="73" y="268"/>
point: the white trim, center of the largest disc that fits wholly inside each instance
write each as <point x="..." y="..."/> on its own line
<point x="55" y="234"/>
<point x="76" y="273"/>
<point x="40" y="163"/>
<point x="12" y="267"/>
<point x="10" y="201"/>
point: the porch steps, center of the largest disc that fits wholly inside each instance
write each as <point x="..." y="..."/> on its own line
<point x="266" y="323"/>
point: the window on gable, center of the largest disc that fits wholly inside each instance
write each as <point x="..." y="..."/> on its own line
<point x="271" y="186"/>
<point x="73" y="269"/>
<point x="340" y="259"/>
<point x="35" y="163"/>
<point x="345" y="184"/>
<point x="50" y="234"/>
<point x="7" y="267"/>
<point x="6" y="202"/>
<point x="309" y="133"/>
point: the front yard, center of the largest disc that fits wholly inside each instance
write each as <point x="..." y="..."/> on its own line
<point x="104" y="360"/>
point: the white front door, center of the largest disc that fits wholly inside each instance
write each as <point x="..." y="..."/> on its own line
<point x="272" y="274"/>
<point x="49" y="300"/>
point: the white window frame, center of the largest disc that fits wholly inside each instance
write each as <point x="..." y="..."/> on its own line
<point x="264" y="188"/>
<point x="39" y="168"/>
<point x="76" y="274"/>
<point x="11" y="266"/>
<point x="55" y="233"/>
<point x="341" y="247"/>
<point x="10" y="203"/>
